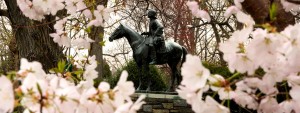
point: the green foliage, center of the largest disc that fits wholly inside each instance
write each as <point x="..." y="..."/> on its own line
<point x="61" y="66"/>
<point x="106" y="70"/>
<point x="88" y="30"/>
<point x="215" y="69"/>
<point x="102" y="43"/>
<point x="273" y="11"/>
<point x="156" y="76"/>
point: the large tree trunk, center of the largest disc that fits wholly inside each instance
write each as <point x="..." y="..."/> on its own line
<point x="259" y="10"/>
<point x="33" y="42"/>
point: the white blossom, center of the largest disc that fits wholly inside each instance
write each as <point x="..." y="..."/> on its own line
<point x="6" y="95"/>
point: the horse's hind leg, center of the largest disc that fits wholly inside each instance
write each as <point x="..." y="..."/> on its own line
<point x="173" y="77"/>
<point x="140" y="78"/>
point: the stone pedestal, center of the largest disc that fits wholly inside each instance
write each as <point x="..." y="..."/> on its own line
<point x="163" y="103"/>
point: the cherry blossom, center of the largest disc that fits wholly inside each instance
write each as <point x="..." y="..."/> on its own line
<point x="244" y="18"/>
<point x="73" y="5"/>
<point x="269" y="105"/>
<point x="235" y="52"/>
<point x="238" y="3"/>
<point x="231" y="10"/>
<point x="101" y="14"/>
<point x="6" y="95"/>
<point x="213" y="106"/>
<point x="245" y="100"/>
<point x="124" y="87"/>
<point x="288" y="106"/>
<point x="248" y="49"/>
<point x="194" y="73"/>
<point x="82" y="42"/>
<point x="219" y="84"/>
<point x="30" y="10"/>
<point x="194" y="7"/>
<point x="290" y="6"/>
<point x="61" y="38"/>
<point x="31" y="68"/>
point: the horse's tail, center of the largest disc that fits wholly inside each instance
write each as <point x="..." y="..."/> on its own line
<point x="184" y="52"/>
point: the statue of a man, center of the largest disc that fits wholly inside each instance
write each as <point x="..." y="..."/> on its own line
<point x="154" y="35"/>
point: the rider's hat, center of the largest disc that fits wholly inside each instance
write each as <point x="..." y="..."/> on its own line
<point x="151" y="13"/>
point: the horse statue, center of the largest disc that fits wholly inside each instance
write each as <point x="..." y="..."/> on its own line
<point x="172" y="55"/>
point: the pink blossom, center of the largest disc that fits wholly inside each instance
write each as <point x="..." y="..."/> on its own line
<point x="238" y="3"/>
<point x="245" y="19"/>
<point x="82" y="42"/>
<point x="235" y="52"/>
<point x="245" y="100"/>
<point x="124" y="87"/>
<point x="289" y="106"/>
<point x="231" y="10"/>
<point x="269" y="105"/>
<point x="31" y="68"/>
<point x="194" y="74"/>
<point x="295" y="93"/>
<point x="193" y="6"/>
<point x="61" y="39"/>
<point x="290" y="6"/>
<point x="212" y="106"/>
<point x="6" y="95"/>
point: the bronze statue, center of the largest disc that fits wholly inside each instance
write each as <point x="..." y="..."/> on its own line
<point x="155" y="38"/>
<point x="171" y="55"/>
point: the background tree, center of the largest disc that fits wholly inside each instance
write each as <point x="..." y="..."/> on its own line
<point x="32" y="38"/>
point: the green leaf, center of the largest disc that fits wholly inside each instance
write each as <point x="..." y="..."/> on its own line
<point x="102" y="43"/>
<point x="88" y="30"/>
<point x="61" y="66"/>
<point x="11" y="75"/>
<point x="273" y="11"/>
<point x="39" y="88"/>
<point x="78" y="72"/>
<point x="101" y="35"/>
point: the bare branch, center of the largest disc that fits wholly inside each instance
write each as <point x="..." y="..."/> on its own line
<point x="116" y="54"/>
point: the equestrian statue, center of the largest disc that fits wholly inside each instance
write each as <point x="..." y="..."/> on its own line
<point x="149" y="48"/>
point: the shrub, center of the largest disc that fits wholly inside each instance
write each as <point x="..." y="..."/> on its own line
<point x="155" y="75"/>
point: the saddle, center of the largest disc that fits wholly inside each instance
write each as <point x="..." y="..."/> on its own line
<point x="161" y="46"/>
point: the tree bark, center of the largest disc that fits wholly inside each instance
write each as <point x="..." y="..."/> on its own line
<point x="96" y="49"/>
<point x="33" y="42"/>
<point x="259" y="10"/>
<point x="97" y="34"/>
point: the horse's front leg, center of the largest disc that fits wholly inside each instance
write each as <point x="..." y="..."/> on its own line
<point x="147" y="75"/>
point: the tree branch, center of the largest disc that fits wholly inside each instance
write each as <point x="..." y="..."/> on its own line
<point x="3" y="12"/>
<point x="116" y="54"/>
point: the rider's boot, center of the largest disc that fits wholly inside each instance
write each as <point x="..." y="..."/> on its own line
<point x="153" y="56"/>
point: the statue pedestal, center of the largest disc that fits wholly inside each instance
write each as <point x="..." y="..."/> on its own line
<point x="162" y="102"/>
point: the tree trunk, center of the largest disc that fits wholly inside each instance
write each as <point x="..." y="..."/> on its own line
<point x="33" y="42"/>
<point x="259" y="10"/>
<point x="97" y="34"/>
<point x="96" y="49"/>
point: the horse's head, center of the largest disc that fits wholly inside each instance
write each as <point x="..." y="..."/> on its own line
<point x="118" y="33"/>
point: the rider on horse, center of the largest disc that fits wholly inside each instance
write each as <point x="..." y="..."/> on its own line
<point x="155" y="37"/>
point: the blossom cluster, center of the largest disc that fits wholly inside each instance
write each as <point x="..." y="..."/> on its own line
<point x="276" y="53"/>
<point x="194" y="7"/>
<point x="57" y="93"/>
<point x="38" y="9"/>
<point x="246" y="51"/>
